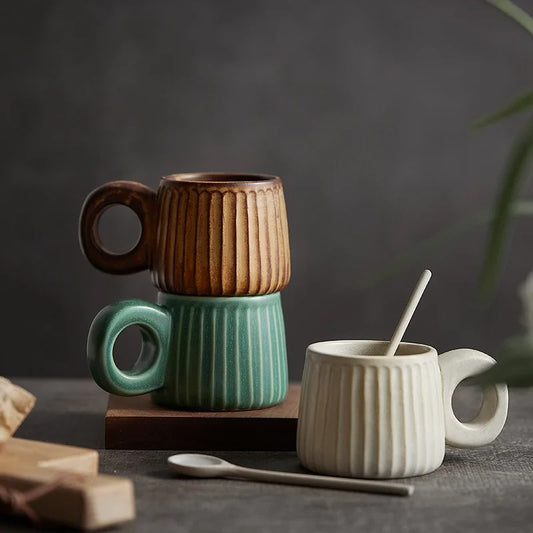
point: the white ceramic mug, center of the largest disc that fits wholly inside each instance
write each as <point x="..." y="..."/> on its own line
<point x="366" y="415"/>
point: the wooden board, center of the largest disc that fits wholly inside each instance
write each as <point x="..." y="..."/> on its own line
<point x="49" y="455"/>
<point x="78" y="497"/>
<point x="135" y="423"/>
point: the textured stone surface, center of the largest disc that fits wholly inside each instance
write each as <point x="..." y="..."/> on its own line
<point x="485" y="490"/>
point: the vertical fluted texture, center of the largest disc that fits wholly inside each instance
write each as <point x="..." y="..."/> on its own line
<point x="219" y="240"/>
<point x="371" y="420"/>
<point x="225" y="354"/>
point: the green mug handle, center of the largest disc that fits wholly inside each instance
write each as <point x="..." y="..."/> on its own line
<point x="148" y="373"/>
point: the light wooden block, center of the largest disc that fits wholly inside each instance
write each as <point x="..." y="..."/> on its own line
<point x="83" y="499"/>
<point x="49" y="455"/>
<point x="15" y="404"/>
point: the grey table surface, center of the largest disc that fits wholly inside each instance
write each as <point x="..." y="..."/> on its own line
<point x="486" y="489"/>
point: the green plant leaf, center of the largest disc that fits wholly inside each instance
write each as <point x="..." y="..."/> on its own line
<point x="522" y="207"/>
<point x="514" y="12"/>
<point x="514" y="365"/>
<point x="513" y="177"/>
<point x="521" y="103"/>
<point x="437" y="242"/>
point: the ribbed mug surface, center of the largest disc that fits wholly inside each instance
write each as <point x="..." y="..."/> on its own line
<point x="224" y="353"/>
<point x="221" y="237"/>
<point x="371" y="416"/>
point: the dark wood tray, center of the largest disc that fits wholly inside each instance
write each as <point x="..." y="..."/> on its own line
<point x="135" y="423"/>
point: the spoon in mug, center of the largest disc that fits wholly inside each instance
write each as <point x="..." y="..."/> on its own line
<point x="208" y="466"/>
<point x="408" y="313"/>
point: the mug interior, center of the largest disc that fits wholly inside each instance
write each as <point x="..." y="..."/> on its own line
<point x="367" y="349"/>
<point x="228" y="178"/>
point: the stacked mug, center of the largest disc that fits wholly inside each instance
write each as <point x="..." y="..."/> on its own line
<point x="217" y="246"/>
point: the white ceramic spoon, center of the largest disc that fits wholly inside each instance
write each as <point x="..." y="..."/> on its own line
<point x="206" y="466"/>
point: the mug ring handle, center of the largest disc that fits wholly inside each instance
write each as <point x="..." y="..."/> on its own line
<point x="148" y="373"/>
<point x="140" y="199"/>
<point x="456" y="366"/>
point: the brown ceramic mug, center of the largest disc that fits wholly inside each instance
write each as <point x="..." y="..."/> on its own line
<point x="205" y="234"/>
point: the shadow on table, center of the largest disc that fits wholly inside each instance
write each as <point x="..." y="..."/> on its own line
<point x="450" y="460"/>
<point x="15" y="523"/>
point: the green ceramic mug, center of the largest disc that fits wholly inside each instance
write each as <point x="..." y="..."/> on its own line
<point x="209" y="353"/>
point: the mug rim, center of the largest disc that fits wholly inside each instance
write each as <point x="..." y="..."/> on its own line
<point x="415" y="351"/>
<point x="222" y="178"/>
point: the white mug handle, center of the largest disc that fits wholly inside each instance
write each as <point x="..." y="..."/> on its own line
<point x="455" y="366"/>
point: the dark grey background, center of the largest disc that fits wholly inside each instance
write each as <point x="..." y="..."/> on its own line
<point x="363" y="108"/>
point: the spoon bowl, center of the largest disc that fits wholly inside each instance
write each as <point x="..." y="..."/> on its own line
<point x="199" y="465"/>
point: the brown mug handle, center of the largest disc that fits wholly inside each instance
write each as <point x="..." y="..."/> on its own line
<point x="136" y="196"/>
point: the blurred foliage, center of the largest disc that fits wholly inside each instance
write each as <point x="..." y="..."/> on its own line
<point x="516" y="106"/>
<point x="515" y="361"/>
<point x="513" y="177"/>
<point x="516" y="167"/>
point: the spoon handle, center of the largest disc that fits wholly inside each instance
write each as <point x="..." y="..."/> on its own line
<point x="408" y="313"/>
<point x="326" y="482"/>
